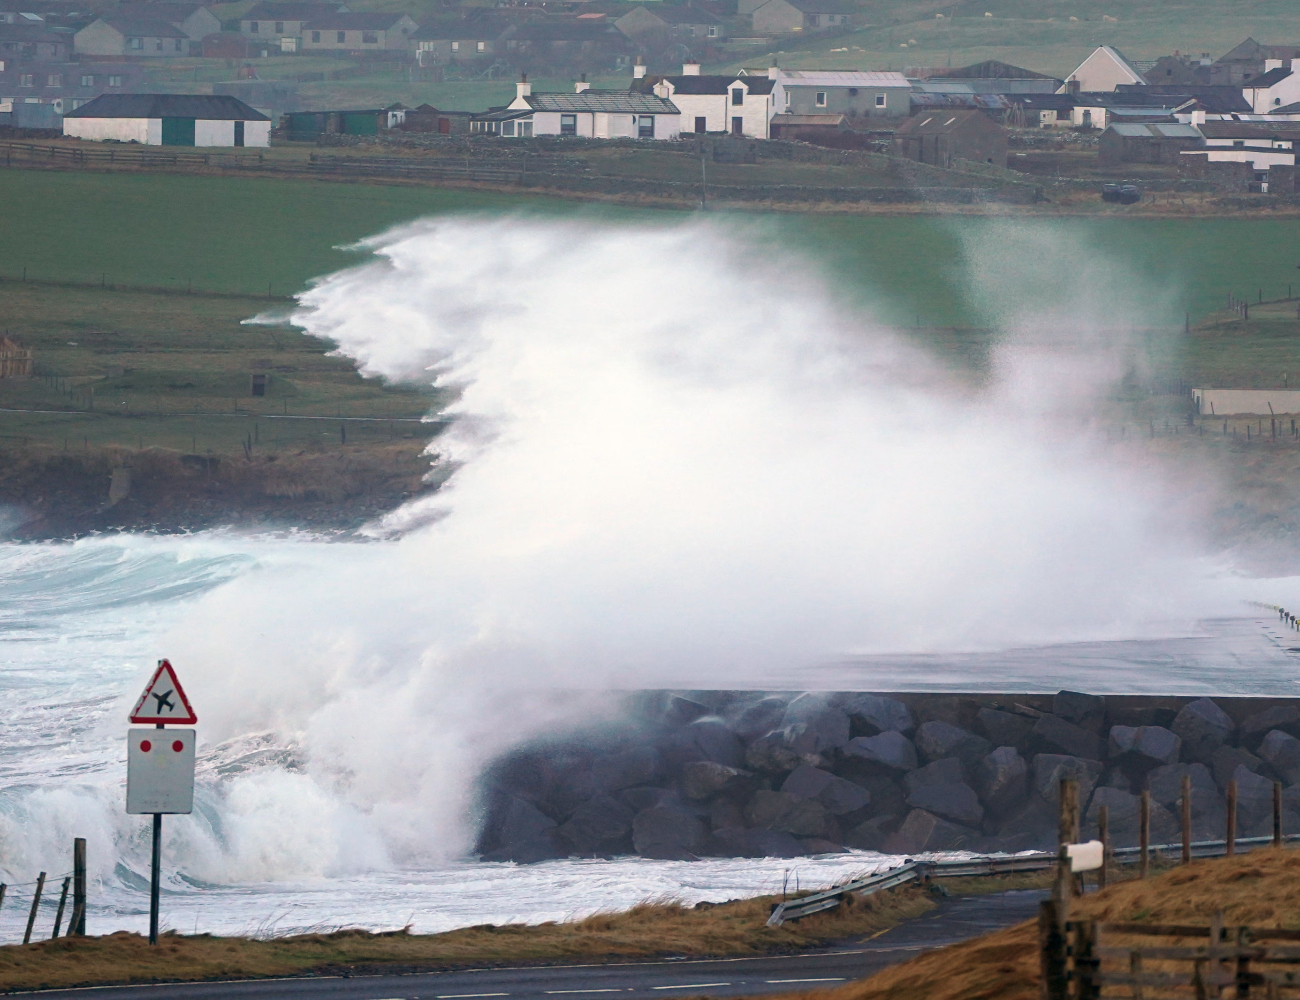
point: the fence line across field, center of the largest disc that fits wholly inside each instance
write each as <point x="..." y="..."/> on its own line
<point x="73" y="881"/>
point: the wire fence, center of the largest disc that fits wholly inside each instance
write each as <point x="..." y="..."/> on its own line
<point x="35" y="910"/>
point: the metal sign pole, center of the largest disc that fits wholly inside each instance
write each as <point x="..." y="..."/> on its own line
<point x="155" y="875"/>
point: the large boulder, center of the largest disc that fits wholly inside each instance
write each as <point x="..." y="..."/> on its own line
<point x="668" y="835"/>
<point x="626" y="768"/>
<point x="1254" y="803"/>
<point x="1208" y="811"/>
<point x="1059" y="736"/>
<point x="783" y="812"/>
<point x="1002" y="780"/>
<point x="522" y="833"/>
<point x="600" y="826"/>
<point x="870" y="834"/>
<point x="936" y="740"/>
<point x="678" y="711"/>
<point x="1203" y="727"/>
<point x="724" y="813"/>
<point x="1124" y="818"/>
<point x="955" y="801"/>
<point x="1036" y="822"/>
<point x="1144" y="744"/>
<point x="1087" y="711"/>
<point x="890" y="750"/>
<point x="873" y="713"/>
<point x="775" y="753"/>
<point x="1283" y="717"/>
<point x="702" y="779"/>
<point x="773" y="844"/>
<point x="923" y="832"/>
<point x="638" y="799"/>
<point x="836" y="794"/>
<point x="826" y="727"/>
<point x="759" y="717"/>
<point x="1002" y="729"/>
<point x="1282" y="751"/>
<point x="1047" y="770"/>
<point x="940" y="772"/>
<point x="1226" y="760"/>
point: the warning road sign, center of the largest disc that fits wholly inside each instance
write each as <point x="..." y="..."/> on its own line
<point x="164" y="701"/>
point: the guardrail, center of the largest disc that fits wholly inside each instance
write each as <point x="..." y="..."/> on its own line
<point x="922" y="871"/>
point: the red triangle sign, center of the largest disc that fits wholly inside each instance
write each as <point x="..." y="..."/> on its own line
<point x="164" y="700"/>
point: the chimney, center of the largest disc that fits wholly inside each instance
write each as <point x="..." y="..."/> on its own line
<point x="638" y="71"/>
<point x="581" y="85"/>
<point x="690" y="69"/>
<point x="523" y="88"/>
<point x="1073" y="86"/>
<point x="1198" y="116"/>
<point x="773" y="71"/>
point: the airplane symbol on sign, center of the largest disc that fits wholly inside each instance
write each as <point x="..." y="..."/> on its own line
<point x="164" y="700"/>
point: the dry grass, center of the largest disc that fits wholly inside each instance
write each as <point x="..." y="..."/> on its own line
<point x="1261" y="889"/>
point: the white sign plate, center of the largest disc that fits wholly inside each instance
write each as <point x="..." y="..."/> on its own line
<point x="1085" y="857"/>
<point x="160" y="771"/>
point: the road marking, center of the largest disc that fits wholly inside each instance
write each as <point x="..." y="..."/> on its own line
<point x="464" y="996"/>
<point x="828" y="979"/>
<point x="582" y="991"/>
<point x="689" y="986"/>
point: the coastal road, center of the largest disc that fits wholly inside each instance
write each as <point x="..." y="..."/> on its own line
<point x="956" y="919"/>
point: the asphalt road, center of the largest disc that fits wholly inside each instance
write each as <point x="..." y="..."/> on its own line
<point x="956" y="919"/>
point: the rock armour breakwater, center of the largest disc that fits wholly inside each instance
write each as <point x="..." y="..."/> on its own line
<point x="748" y="774"/>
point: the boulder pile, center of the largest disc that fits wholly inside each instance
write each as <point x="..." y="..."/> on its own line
<point x="751" y="774"/>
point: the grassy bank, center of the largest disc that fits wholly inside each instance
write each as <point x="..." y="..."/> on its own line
<point x="644" y="932"/>
<point x="1258" y="889"/>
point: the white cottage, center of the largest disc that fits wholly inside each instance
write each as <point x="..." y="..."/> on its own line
<point x="596" y="114"/>
<point x="169" y="120"/>
<point x="741" y="105"/>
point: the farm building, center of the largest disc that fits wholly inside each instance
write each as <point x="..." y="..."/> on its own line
<point x="307" y="126"/>
<point x="169" y="120"/>
<point x="807" y="128"/>
<point x="131" y="37"/>
<point x="944" y="137"/>
<point x="1149" y="142"/>
<point x="15" y="360"/>
<point x="845" y="92"/>
<point x="427" y="118"/>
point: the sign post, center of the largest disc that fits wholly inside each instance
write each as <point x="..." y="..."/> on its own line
<point x="160" y="765"/>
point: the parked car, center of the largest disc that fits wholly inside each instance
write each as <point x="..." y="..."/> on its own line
<point x="1125" y="194"/>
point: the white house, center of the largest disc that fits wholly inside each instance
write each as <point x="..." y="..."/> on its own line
<point x="597" y="114"/>
<point x="741" y="105"/>
<point x="1277" y="87"/>
<point x="1105" y="69"/>
<point x="1261" y="143"/>
<point x="169" y="120"/>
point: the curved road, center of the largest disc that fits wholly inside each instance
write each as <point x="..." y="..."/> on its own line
<point x="955" y="920"/>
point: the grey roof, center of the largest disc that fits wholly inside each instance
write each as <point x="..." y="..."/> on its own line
<point x="200" y="106"/>
<point x="144" y="27"/>
<point x="1251" y="130"/>
<point x="824" y="7"/>
<point x="627" y="102"/>
<point x="478" y="29"/>
<point x="502" y="115"/>
<point x="31" y="33"/>
<point x="831" y="121"/>
<point x="1156" y="130"/>
<point x="709" y="84"/>
<point x="942" y="121"/>
<point x="1266" y="80"/>
<point x="289" y="11"/>
<point x="684" y="15"/>
<point x="354" y="22"/>
<point x="989" y="69"/>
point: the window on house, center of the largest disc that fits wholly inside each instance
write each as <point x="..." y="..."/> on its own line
<point x="853" y="91"/>
<point x="526" y="128"/>
<point x="54" y="80"/>
<point x="701" y="124"/>
<point x="342" y="36"/>
<point x="279" y="27"/>
<point x="315" y="36"/>
<point x="26" y="80"/>
<point x="738" y="97"/>
<point x="157" y="45"/>
<point x="254" y="27"/>
<point x="787" y="98"/>
<point x="713" y="31"/>
<point x="508" y="128"/>
<point x="178" y="45"/>
<point x="480" y="46"/>
<point x="1239" y="142"/>
<point x="645" y="127"/>
<point x="880" y="100"/>
<point x="87" y="81"/>
<point x="369" y="38"/>
<point x="821" y="99"/>
<point x="455" y="46"/>
<point x="568" y="124"/>
<point x="115" y="81"/>
<point x="135" y="43"/>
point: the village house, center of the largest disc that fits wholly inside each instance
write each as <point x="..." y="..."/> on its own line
<point x="597" y="114"/>
<point x="1150" y="142"/>
<point x="1041" y="110"/>
<point x="778" y="17"/>
<point x="855" y="93"/>
<point x="274" y="21"/>
<point x="1250" y="59"/>
<point x="685" y="23"/>
<point x="1274" y="88"/>
<point x="131" y="37"/>
<point x="461" y="41"/>
<point x="942" y="139"/>
<point x="567" y="42"/>
<point x="1265" y="144"/>
<point x="32" y="43"/>
<point x="1103" y="70"/>
<point x="358" y="32"/>
<point x="194" y="19"/>
<point x="991" y="77"/>
<point x="427" y="118"/>
<point x="741" y="105"/>
<point x="45" y="90"/>
<point x="169" y="120"/>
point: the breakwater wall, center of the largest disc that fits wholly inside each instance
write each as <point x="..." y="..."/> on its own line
<point x="684" y="775"/>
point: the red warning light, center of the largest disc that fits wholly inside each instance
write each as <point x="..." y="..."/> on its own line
<point x="146" y="746"/>
<point x="178" y="746"/>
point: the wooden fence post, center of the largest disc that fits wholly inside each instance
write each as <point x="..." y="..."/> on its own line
<point x="1051" y="944"/>
<point x="1135" y="970"/>
<point x="1085" y="961"/>
<point x="1242" y="991"/>
<point x="36" y="901"/>
<point x="58" y="915"/>
<point x="1067" y="830"/>
<point x="78" y="923"/>
<point x="1103" y="834"/>
<point x="1187" y="819"/>
<point x="1231" y="838"/>
<point x="1144" y="834"/>
<point x="1277" y="814"/>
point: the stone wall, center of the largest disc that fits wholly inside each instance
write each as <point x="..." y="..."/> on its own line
<point x="746" y="774"/>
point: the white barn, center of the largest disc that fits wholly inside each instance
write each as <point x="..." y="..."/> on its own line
<point x="1104" y="70"/>
<point x="169" y="120"/>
